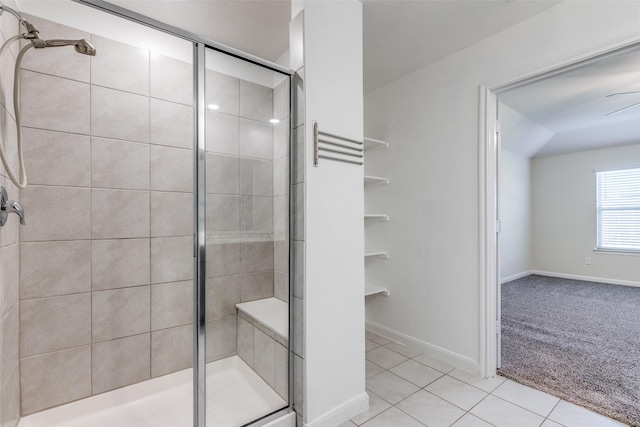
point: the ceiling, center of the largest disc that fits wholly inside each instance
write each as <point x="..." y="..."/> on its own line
<point x="572" y="108"/>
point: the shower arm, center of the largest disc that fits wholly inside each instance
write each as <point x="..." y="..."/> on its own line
<point x="32" y="32"/>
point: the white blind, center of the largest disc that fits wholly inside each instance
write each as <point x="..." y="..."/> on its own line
<point x="618" y="194"/>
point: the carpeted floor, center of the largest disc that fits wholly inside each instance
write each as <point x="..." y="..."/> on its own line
<point x="579" y="341"/>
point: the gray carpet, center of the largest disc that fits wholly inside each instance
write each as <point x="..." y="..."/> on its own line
<point x="579" y="341"/>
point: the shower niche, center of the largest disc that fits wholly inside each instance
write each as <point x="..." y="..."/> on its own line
<point x="107" y="256"/>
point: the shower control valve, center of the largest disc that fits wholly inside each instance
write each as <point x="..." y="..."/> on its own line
<point x="9" y="206"/>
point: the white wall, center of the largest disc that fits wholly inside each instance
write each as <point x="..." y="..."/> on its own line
<point x="564" y="215"/>
<point x="334" y="295"/>
<point x="432" y="118"/>
<point x="515" y="214"/>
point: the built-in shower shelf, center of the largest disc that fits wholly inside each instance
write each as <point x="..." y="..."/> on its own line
<point x="370" y="180"/>
<point x="377" y="254"/>
<point x="375" y="290"/>
<point x="378" y="217"/>
<point x="271" y="312"/>
<point x="370" y="143"/>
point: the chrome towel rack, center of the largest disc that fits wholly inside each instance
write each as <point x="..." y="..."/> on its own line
<point x="324" y="142"/>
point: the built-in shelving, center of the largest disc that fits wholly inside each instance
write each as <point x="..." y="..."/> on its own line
<point x="378" y="217"/>
<point x="369" y="180"/>
<point x="381" y="254"/>
<point x="375" y="180"/>
<point x="375" y="290"/>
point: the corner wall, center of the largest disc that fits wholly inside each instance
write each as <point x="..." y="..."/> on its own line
<point x="432" y="117"/>
<point x="564" y="215"/>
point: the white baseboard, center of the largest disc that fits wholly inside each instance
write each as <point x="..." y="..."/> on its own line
<point x="434" y="351"/>
<point x="342" y="413"/>
<point x="516" y="276"/>
<point x="586" y="278"/>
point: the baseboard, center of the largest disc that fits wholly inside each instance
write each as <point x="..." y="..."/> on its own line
<point x="434" y="351"/>
<point x="342" y="413"/>
<point x="516" y="276"/>
<point x="587" y="278"/>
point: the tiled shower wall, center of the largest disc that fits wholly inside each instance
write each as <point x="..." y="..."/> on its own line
<point x="9" y="241"/>
<point x="106" y="258"/>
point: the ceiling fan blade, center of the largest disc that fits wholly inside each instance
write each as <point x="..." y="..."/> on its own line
<point x="623" y="109"/>
<point x="622" y="93"/>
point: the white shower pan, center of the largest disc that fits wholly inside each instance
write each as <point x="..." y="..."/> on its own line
<point x="236" y="395"/>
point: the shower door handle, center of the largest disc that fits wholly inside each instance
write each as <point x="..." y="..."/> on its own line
<point x="9" y="206"/>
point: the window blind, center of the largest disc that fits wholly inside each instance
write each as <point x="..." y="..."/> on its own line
<point x="618" y="204"/>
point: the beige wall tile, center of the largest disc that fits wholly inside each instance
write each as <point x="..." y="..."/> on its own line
<point x="223" y="174"/>
<point x="171" y="259"/>
<point x="281" y="100"/>
<point x="119" y="115"/>
<point x="281" y="141"/>
<point x="223" y="256"/>
<point x="55" y="213"/>
<point x="10" y="263"/>
<point x="281" y="215"/>
<point x="299" y="269"/>
<point x="256" y="177"/>
<point x="171" y="214"/>
<point x="171" y="305"/>
<point x="72" y="154"/>
<point x="245" y="340"/>
<point x="119" y="164"/>
<point x="120" y="66"/>
<point x="222" y="133"/>
<point x="10" y="400"/>
<point x="264" y="356"/>
<point x="120" y="263"/>
<point x="54" y="268"/>
<point x="10" y="347"/>
<point x="171" y="124"/>
<point x="281" y="176"/>
<point x="223" y="214"/>
<point x="282" y="372"/>
<point x="120" y="362"/>
<point x="281" y="254"/>
<point x="256" y="139"/>
<point x="54" y="324"/>
<point x="256" y="255"/>
<point x="222" y="295"/>
<point x="171" y="169"/>
<point x="222" y="90"/>
<point x="119" y="214"/>
<point x="256" y="101"/>
<point x="60" y="62"/>
<point x="55" y="378"/>
<point x="171" y="79"/>
<point x="281" y="286"/>
<point x="119" y="313"/>
<point x="221" y="338"/>
<point x="298" y="326"/>
<point x="54" y="103"/>
<point x="257" y="215"/>
<point x="256" y="286"/>
<point x="171" y="350"/>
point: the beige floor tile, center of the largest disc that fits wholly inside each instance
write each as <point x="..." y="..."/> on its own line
<point x="469" y="420"/>
<point x="434" y="363"/>
<point x="370" y="345"/>
<point x="571" y="415"/>
<point x="379" y="339"/>
<point x="403" y="349"/>
<point x="417" y="373"/>
<point x="504" y="414"/>
<point x="486" y="384"/>
<point x="376" y="406"/>
<point x="384" y="357"/>
<point x="549" y="423"/>
<point x="371" y="369"/>
<point x="455" y="391"/>
<point x="391" y="387"/>
<point x="393" y="417"/>
<point x="534" y="400"/>
<point x="430" y="409"/>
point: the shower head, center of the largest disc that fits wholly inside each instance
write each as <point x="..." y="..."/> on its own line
<point x="82" y="46"/>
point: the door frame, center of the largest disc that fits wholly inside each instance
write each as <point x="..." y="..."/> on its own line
<point x="489" y="150"/>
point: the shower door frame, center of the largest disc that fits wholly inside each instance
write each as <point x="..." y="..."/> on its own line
<point x="200" y="45"/>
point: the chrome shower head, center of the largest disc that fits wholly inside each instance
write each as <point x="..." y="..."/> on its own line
<point x="82" y="46"/>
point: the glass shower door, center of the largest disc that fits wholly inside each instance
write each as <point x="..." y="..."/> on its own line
<point x="247" y="242"/>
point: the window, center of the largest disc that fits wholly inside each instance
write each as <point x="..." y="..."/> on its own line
<point x="618" y="201"/>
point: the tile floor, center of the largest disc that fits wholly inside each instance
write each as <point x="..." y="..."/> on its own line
<point x="410" y="389"/>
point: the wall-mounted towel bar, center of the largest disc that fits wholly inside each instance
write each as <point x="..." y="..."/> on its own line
<point x="350" y="148"/>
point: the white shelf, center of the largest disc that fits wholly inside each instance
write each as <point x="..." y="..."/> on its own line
<point x="374" y="290"/>
<point x="370" y="143"/>
<point x="377" y="254"/>
<point x="379" y="217"/>
<point x="375" y="180"/>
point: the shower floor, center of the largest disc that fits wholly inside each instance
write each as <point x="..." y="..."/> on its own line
<point x="236" y="395"/>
